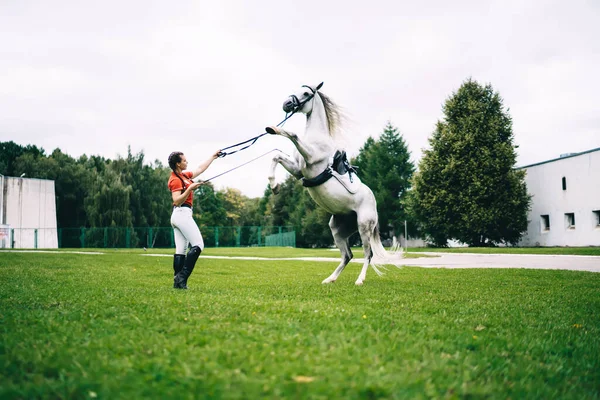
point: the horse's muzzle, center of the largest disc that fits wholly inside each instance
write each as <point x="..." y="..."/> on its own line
<point x="289" y="106"/>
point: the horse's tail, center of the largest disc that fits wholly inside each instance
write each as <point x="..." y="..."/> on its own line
<point x="381" y="257"/>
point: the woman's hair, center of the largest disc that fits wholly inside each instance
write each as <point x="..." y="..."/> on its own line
<point x="174" y="158"/>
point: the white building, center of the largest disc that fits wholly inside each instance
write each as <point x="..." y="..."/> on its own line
<point x="27" y="213"/>
<point x="565" y="209"/>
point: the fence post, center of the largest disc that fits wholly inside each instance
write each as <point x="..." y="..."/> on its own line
<point x="238" y="236"/>
<point x="127" y="238"/>
<point x="149" y="244"/>
<point x="216" y="236"/>
<point x="35" y="238"/>
<point x="60" y="238"/>
<point x="105" y="237"/>
<point x="82" y="238"/>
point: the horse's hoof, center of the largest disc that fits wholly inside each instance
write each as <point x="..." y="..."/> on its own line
<point x="358" y="283"/>
<point x="326" y="281"/>
<point x="275" y="189"/>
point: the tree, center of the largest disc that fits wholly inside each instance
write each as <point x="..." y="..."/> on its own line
<point x="109" y="202"/>
<point x="467" y="188"/>
<point x="208" y="206"/>
<point x="384" y="166"/>
<point x="233" y="202"/>
<point x="293" y="206"/>
<point x="10" y="151"/>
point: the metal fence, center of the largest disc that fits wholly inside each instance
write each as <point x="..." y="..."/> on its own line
<point x="157" y="237"/>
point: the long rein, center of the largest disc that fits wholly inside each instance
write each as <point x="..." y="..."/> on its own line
<point x="251" y="141"/>
<point x="297" y="106"/>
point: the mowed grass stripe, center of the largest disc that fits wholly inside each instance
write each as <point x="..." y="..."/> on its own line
<point x="111" y="326"/>
<point x="283" y="252"/>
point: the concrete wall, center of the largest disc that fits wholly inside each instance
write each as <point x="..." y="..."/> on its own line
<point x="581" y="197"/>
<point x="29" y="208"/>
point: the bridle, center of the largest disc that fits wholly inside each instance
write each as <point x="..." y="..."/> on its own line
<point x="297" y="104"/>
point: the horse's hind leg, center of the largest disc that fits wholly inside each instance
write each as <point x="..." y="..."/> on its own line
<point x="365" y="229"/>
<point x="342" y="226"/>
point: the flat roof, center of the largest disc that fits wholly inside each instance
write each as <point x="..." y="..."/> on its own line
<point x="570" y="155"/>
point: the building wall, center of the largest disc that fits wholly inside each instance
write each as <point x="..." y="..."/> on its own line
<point x="29" y="208"/>
<point x="581" y="197"/>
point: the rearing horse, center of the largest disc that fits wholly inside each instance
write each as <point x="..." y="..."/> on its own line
<point x="330" y="180"/>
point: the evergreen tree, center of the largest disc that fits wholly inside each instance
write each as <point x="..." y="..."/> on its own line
<point x="293" y="206"/>
<point x="384" y="166"/>
<point x="467" y="188"/>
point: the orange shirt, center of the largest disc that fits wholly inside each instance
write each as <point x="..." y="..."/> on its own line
<point x="175" y="184"/>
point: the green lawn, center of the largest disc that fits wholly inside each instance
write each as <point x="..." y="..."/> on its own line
<point x="413" y="252"/>
<point x="110" y="326"/>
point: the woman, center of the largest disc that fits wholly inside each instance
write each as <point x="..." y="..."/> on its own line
<point x="186" y="231"/>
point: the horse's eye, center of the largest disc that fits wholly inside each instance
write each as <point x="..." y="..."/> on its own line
<point x="306" y="94"/>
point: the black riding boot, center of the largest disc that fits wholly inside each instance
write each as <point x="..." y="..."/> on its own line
<point x="181" y="278"/>
<point x="178" y="263"/>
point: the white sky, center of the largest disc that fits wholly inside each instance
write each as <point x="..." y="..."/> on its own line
<point x="95" y="77"/>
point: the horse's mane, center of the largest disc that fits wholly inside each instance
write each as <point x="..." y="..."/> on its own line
<point x="333" y="113"/>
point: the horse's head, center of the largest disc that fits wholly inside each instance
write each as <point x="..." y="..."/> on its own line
<point x="301" y="100"/>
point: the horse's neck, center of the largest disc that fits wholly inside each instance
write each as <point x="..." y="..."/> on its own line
<point x="317" y="129"/>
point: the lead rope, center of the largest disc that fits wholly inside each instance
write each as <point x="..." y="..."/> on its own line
<point x="253" y="140"/>
<point x="297" y="107"/>
<point x="239" y="166"/>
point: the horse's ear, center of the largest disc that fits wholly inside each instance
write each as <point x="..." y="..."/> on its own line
<point x="320" y="85"/>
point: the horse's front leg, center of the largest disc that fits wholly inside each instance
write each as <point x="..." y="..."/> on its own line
<point x="306" y="150"/>
<point x="289" y="164"/>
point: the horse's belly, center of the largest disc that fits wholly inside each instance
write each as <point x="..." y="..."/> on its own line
<point x="330" y="198"/>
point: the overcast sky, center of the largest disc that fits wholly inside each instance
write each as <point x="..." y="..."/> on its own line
<point x="94" y="77"/>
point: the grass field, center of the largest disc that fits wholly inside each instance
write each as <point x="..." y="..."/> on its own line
<point x="278" y="252"/>
<point x="110" y="326"/>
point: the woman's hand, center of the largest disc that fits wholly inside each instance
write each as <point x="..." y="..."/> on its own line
<point x="195" y="185"/>
<point x="217" y="154"/>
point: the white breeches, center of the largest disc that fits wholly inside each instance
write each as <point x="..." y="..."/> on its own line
<point x="185" y="229"/>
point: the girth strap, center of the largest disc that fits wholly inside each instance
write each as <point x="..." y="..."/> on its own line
<point x="319" y="179"/>
<point x="340" y="165"/>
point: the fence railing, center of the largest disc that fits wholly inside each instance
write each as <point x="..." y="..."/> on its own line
<point x="150" y="237"/>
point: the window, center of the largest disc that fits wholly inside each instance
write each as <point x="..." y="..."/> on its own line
<point x="596" y="218"/>
<point x="545" y="222"/>
<point x="564" y="183"/>
<point x="570" y="220"/>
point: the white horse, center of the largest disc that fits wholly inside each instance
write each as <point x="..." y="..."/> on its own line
<point x="330" y="180"/>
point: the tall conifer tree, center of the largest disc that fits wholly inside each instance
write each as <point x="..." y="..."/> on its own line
<point x="384" y="166"/>
<point x="467" y="187"/>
